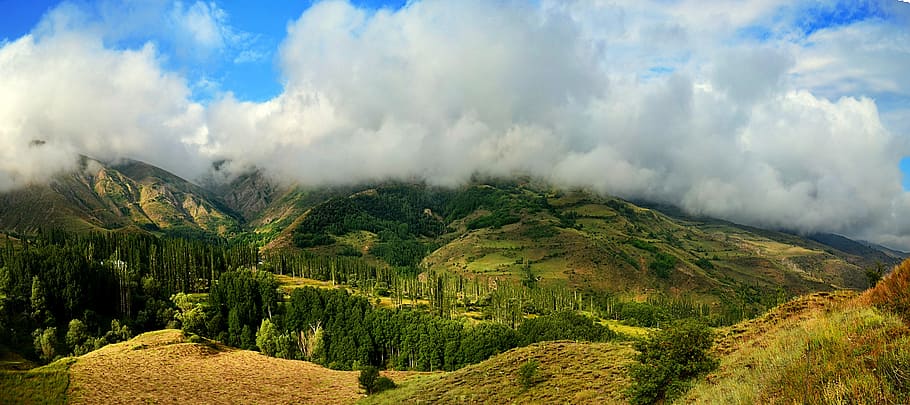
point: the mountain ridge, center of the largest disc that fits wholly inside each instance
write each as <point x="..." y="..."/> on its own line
<point x="493" y="228"/>
<point x="127" y="195"/>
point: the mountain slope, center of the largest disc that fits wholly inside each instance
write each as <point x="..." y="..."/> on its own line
<point x="516" y="230"/>
<point x="130" y="195"/>
<point x="500" y="229"/>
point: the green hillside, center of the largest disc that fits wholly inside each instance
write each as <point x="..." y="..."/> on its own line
<point x="516" y="231"/>
<point x="576" y="240"/>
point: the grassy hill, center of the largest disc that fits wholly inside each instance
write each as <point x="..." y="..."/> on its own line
<point x="820" y="348"/>
<point x="569" y="372"/>
<point x="824" y="348"/>
<point x="165" y="367"/>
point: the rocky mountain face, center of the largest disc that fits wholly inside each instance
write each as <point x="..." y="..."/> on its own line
<point x="248" y="194"/>
<point x="128" y="195"/>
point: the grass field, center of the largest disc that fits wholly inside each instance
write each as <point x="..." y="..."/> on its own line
<point x="289" y="283"/>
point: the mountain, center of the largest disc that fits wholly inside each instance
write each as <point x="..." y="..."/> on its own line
<point x="518" y="229"/>
<point x="865" y="252"/>
<point x="129" y="195"/>
<point x="531" y="232"/>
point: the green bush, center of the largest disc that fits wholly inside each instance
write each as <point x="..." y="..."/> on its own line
<point x="640" y="244"/>
<point x="663" y="265"/>
<point x="669" y="360"/>
<point x="527" y="373"/>
<point x="383" y="383"/>
<point x="540" y="232"/>
<point x="497" y="219"/>
<point x="704" y="263"/>
<point x="565" y="325"/>
<point x="368" y="377"/>
<point x="372" y="382"/>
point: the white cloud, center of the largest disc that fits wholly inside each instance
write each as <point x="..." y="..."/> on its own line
<point x="201" y="24"/>
<point x="70" y="92"/>
<point x="443" y="90"/>
<point x="642" y="99"/>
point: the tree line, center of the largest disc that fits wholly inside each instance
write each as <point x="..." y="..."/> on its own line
<point x="100" y="286"/>
<point x="345" y="331"/>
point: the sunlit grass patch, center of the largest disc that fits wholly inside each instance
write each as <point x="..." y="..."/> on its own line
<point x="42" y="385"/>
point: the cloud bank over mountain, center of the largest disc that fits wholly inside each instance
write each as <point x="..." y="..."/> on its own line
<point x="783" y="114"/>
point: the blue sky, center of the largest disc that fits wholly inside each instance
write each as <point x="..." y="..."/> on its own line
<point x="257" y="80"/>
<point x="783" y="113"/>
<point x="260" y="79"/>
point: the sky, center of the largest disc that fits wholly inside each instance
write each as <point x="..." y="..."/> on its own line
<point x="788" y="114"/>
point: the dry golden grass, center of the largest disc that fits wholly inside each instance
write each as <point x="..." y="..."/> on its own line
<point x="893" y="291"/>
<point x="161" y="367"/>
<point x="786" y="315"/>
<point x="822" y="348"/>
<point x="576" y="373"/>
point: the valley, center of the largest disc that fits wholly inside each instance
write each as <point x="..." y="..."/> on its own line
<point x="455" y="202"/>
<point x="445" y="289"/>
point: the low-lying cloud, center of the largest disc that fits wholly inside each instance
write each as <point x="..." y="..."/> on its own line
<point x="740" y="116"/>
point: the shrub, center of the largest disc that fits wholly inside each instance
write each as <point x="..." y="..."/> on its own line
<point x="704" y="263"/>
<point x="663" y="264"/>
<point x="497" y="219"/>
<point x="540" y="232"/>
<point x="527" y="373"/>
<point x="46" y="343"/>
<point x="76" y="335"/>
<point x="669" y="360"/>
<point x="372" y="382"/>
<point x="367" y="379"/>
<point x="640" y="244"/>
<point x="383" y="383"/>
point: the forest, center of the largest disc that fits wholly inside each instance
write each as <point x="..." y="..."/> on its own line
<point x="342" y="331"/>
<point x="70" y="293"/>
<point x="63" y="293"/>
